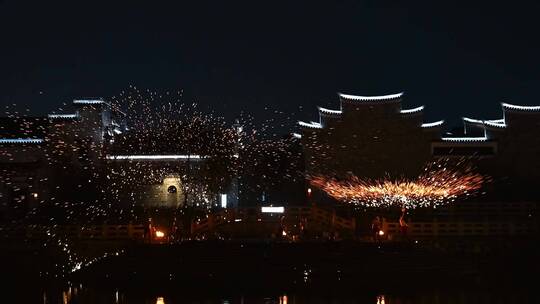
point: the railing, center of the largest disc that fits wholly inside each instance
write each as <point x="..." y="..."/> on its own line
<point x="93" y="232"/>
<point x="443" y="229"/>
<point x="291" y="215"/>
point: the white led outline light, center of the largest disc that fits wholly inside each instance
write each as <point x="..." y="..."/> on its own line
<point x="370" y="98"/>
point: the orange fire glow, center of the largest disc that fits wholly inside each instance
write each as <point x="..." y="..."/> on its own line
<point x="434" y="187"/>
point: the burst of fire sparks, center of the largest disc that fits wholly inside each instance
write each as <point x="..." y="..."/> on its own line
<point x="434" y="187"/>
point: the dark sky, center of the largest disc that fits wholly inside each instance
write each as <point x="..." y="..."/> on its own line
<point x="457" y="58"/>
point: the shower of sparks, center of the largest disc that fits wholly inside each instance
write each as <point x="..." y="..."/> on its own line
<point x="437" y="185"/>
<point x="80" y="191"/>
<point x="162" y="124"/>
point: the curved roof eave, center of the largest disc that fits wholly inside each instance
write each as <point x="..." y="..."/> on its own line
<point x="90" y="101"/>
<point x="488" y="123"/>
<point x="413" y="110"/>
<point x="370" y="98"/>
<point x="508" y="106"/>
<point x="21" y="140"/>
<point x="472" y="120"/>
<point x="433" y="124"/>
<point x="329" y="111"/>
<point x="464" y="139"/>
<point x="312" y="125"/>
<point x="63" y="116"/>
<point x="497" y="123"/>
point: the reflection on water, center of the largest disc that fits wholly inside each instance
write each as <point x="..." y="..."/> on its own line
<point x="75" y="295"/>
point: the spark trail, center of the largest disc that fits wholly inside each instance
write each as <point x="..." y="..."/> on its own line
<point x="438" y="185"/>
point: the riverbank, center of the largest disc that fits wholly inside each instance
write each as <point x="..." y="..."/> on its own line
<point x="273" y="268"/>
<point x="260" y="264"/>
<point x="263" y="264"/>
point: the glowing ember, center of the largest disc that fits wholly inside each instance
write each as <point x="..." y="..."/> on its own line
<point x="437" y="185"/>
<point x="160" y="234"/>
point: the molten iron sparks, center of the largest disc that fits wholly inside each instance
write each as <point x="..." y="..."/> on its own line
<point x="436" y="186"/>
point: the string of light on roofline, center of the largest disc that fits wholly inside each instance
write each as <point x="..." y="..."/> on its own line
<point x="413" y="110"/>
<point x="312" y="125"/>
<point x="160" y="157"/>
<point x="88" y="101"/>
<point x="497" y="123"/>
<point x="500" y="122"/>
<point x="521" y="108"/>
<point x="494" y="124"/>
<point x="471" y="120"/>
<point x="21" y="140"/>
<point x="464" y="139"/>
<point x="432" y="124"/>
<point x="329" y="111"/>
<point x="154" y="157"/>
<point x="62" y="116"/>
<point x="370" y="98"/>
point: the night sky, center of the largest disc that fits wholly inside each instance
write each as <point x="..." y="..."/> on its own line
<point x="457" y="59"/>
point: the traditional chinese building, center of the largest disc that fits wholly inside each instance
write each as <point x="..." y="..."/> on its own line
<point x="373" y="137"/>
<point x="33" y="149"/>
<point x="69" y="150"/>
<point x="369" y="136"/>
